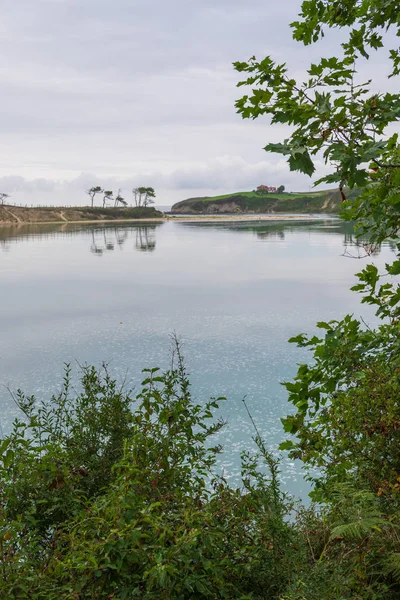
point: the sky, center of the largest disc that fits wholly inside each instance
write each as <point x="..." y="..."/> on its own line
<point x="124" y="93"/>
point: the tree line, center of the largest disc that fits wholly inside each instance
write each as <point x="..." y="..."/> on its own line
<point x="142" y="196"/>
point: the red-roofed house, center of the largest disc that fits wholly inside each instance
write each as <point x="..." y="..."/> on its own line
<point x="266" y="188"/>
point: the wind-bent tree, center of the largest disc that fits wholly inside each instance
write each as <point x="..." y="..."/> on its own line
<point x="93" y="192"/>
<point x="119" y="199"/>
<point x="149" y="196"/>
<point x="136" y="195"/>
<point x="139" y="194"/>
<point x="108" y="195"/>
<point x="143" y="195"/>
<point x="3" y="198"/>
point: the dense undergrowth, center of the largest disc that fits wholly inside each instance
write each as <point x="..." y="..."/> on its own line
<point x="135" y="212"/>
<point x="109" y="494"/>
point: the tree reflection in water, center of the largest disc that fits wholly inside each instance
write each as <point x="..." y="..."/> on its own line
<point x="145" y="239"/>
<point x="104" y="238"/>
<point x="107" y="239"/>
<point x="277" y="230"/>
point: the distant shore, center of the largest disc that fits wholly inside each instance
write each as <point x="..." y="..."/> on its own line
<point x="81" y="221"/>
<point x="20" y="215"/>
<point x="244" y="217"/>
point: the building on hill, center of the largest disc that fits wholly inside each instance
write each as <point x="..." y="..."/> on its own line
<point x="266" y="189"/>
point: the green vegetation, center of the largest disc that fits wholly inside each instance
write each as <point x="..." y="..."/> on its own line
<point x="135" y="212"/>
<point x="106" y="495"/>
<point x="346" y="421"/>
<point x="61" y="214"/>
<point x="327" y="201"/>
<point x="143" y="196"/>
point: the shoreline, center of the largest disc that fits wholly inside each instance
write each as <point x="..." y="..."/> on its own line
<point x="252" y="217"/>
<point x="182" y="219"/>
<point x="83" y="221"/>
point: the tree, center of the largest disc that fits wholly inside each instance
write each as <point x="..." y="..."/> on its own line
<point x="119" y="199"/>
<point x="93" y="191"/>
<point x="144" y="196"/>
<point x="108" y="195"/>
<point x="3" y="198"/>
<point x="345" y="120"/>
<point x="149" y="196"/>
<point x="346" y="421"/>
<point x="281" y="189"/>
<point x="332" y="113"/>
<point x="262" y="191"/>
<point x="136" y="195"/>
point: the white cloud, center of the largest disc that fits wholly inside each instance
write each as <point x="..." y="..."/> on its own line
<point x="137" y="89"/>
<point x="222" y="174"/>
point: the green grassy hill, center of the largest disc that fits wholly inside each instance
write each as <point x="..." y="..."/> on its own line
<point x="326" y="201"/>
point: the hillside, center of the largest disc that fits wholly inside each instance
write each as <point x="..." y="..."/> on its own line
<point x="20" y="214"/>
<point x="326" y="201"/>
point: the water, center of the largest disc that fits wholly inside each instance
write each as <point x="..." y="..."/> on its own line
<point x="233" y="292"/>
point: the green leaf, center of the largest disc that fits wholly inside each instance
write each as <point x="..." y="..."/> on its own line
<point x="302" y="162"/>
<point x="279" y="148"/>
<point x="288" y="445"/>
<point x="394" y="269"/>
<point x="324" y="325"/>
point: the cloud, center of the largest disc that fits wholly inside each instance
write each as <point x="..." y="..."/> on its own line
<point x="222" y="174"/>
<point x="134" y="90"/>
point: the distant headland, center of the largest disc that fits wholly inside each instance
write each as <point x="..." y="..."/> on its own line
<point x="263" y="199"/>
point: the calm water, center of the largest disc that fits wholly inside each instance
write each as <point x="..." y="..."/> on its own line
<point x="233" y="292"/>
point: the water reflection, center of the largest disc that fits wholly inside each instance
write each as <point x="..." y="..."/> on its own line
<point x="145" y="239"/>
<point x="354" y="247"/>
<point x="235" y="292"/>
<point x="104" y="239"/>
<point x="108" y="237"/>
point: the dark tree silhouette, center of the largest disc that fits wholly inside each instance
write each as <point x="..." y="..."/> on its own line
<point x="119" y="199"/>
<point x="144" y="195"/>
<point x="3" y="198"/>
<point x="108" y="195"/>
<point x="93" y="191"/>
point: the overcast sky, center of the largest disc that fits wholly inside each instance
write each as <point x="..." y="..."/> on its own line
<point x="123" y="93"/>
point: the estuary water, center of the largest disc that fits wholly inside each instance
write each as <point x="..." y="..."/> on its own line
<point x="233" y="292"/>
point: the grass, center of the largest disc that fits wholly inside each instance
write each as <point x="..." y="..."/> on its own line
<point x="327" y="201"/>
<point x="284" y="196"/>
<point x="322" y="201"/>
<point x="136" y="212"/>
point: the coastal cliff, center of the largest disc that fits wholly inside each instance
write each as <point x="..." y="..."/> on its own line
<point x="327" y="201"/>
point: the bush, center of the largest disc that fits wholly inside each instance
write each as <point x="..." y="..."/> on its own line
<point x="109" y="496"/>
<point x="136" y="212"/>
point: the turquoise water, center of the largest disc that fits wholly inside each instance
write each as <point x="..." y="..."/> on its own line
<point x="234" y="293"/>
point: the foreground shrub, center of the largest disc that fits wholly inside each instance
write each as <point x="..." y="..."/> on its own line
<point x="109" y="496"/>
